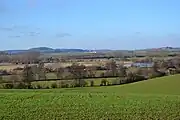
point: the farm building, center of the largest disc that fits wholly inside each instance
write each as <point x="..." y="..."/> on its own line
<point x="138" y="64"/>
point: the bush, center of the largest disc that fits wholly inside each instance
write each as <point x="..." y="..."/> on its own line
<point x="122" y="81"/>
<point x="8" y="86"/>
<point x="108" y="83"/>
<point x="156" y="74"/>
<point x="22" y="86"/>
<point x="140" y="78"/>
<point x="1" y="86"/>
<point x="102" y="74"/>
<point x="53" y="85"/>
<point x="104" y="82"/>
<point x="39" y="86"/>
<point x="47" y="87"/>
<point x="83" y="83"/>
<point x="28" y="86"/>
<point x="19" y="86"/>
<point x="73" y="83"/>
<point x="92" y="83"/>
<point x="63" y="84"/>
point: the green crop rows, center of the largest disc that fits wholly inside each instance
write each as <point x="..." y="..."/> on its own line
<point x="153" y="99"/>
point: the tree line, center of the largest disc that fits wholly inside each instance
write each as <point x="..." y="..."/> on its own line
<point x="79" y="72"/>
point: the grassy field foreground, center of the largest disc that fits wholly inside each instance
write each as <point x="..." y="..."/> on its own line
<point x="153" y="99"/>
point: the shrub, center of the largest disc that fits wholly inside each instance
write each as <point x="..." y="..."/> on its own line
<point x="19" y="86"/>
<point x="39" y="86"/>
<point x="156" y="74"/>
<point x="8" y="86"/>
<point x="73" y="83"/>
<point x="1" y="86"/>
<point x="63" y="84"/>
<point x="108" y="83"/>
<point x="22" y="85"/>
<point x="122" y="81"/>
<point x="53" y="85"/>
<point x="28" y="86"/>
<point x="104" y="82"/>
<point x="92" y="83"/>
<point x="80" y="83"/>
<point x="83" y="83"/>
<point x="140" y="78"/>
<point x="47" y="87"/>
<point x="102" y="74"/>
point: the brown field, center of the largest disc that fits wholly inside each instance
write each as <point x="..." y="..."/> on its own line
<point x="10" y="66"/>
<point x="53" y="65"/>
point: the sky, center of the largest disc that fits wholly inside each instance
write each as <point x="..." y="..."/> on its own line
<point x="89" y="24"/>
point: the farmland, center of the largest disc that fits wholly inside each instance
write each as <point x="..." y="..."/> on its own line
<point x="157" y="98"/>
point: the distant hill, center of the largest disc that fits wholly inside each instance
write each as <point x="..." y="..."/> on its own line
<point x="71" y="50"/>
<point x="173" y="49"/>
<point x="15" y="51"/>
<point x="51" y="50"/>
<point x="42" y="48"/>
<point x="47" y="50"/>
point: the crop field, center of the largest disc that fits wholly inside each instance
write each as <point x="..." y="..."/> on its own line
<point x="152" y="99"/>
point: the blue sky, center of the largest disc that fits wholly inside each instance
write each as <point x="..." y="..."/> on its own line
<point x="89" y="24"/>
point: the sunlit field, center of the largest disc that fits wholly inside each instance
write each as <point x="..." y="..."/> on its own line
<point x="152" y="99"/>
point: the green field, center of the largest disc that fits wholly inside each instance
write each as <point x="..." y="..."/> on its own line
<point x="152" y="99"/>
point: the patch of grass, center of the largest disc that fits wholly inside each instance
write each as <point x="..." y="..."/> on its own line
<point x="152" y="99"/>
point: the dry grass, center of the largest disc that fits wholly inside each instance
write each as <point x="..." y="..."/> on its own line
<point x="10" y="67"/>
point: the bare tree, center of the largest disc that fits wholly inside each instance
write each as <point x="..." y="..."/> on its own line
<point x="26" y="57"/>
<point x="155" y="66"/>
<point x="91" y="71"/>
<point x="27" y="75"/>
<point x="59" y="72"/>
<point x="122" y="71"/>
<point x="111" y="68"/>
<point x="1" y="78"/>
<point x="15" y="78"/>
<point x="78" y="72"/>
<point x="131" y="76"/>
<point x="41" y="71"/>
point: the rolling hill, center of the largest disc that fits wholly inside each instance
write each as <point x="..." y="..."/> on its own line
<point x="152" y="99"/>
